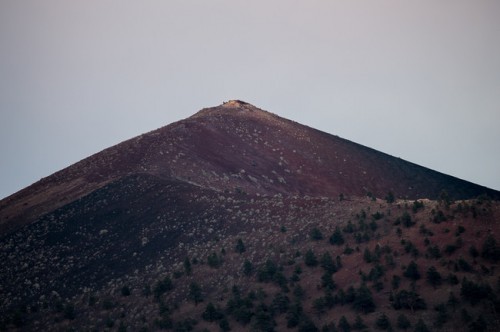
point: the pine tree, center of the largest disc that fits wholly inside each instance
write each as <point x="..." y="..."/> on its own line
<point x="337" y="238"/>
<point x="240" y="246"/>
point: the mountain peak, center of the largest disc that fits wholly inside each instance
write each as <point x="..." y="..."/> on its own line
<point x="235" y="103"/>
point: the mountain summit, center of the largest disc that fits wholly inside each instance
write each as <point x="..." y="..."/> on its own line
<point x="236" y="218"/>
<point x="239" y="147"/>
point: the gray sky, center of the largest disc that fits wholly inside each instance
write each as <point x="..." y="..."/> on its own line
<point x="419" y="80"/>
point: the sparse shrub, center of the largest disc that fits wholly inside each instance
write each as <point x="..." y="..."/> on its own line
<point x="396" y="281"/>
<point x="263" y="319"/>
<point x="69" y="311"/>
<point x="327" y="263"/>
<point x="460" y="230"/>
<point x="307" y="325"/>
<point x="337" y="238"/>
<point x="247" y="268"/>
<point x="367" y="256"/>
<point x="294" y="315"/>
<point x="240" y="246"/>
<point x="479" y="325"/>
<point x="411" y="248"/>
<point x="382" y="322"/>
<point x="434" y="252"/>
<point x="417" y="205"/>
<point x="433" y="276"/>
<point x="224" y="325"/>
<point x="298" y="292"/>
<point x="213" y="260"/>
<point x="473" y="292"/>
<point x="185" y="325"/>
<point x="92" y="300"/>
<point x="450" y="248"/>
<point x="280" y="303"/>
<point x="363" y="300"/>
<point x="452" y="301"/>
<point x="452" y="279"/>
<point x="425" y="231"/>
<point x="195" y="294"/>
<point x="406" y="220"/>
<point x="240" y="308"/>
<point x="464" y="265"/>
<point x="408" y="300"/>
<point x="403" y="323"/>
<point x="310" y="258"/>
<point x="390" y="197"/>
<point x="187" y="266"/>
<point x="421" y="327"/>
<point x="110" y="322"/>
<point x="327" y="281"/>
<point x="473" y="251"/>
<point x="442" y="315"/>
<point x="348" y="250"/>
<point x="162" y="287"/>
<point x="349" y="228"/>
<point x="122" y="327"/>
<point x="107" y="304"/>
<point x="212" y="313"/>
<point x="316" y="234"/>
<point x="438" y="217"/>
<point x="125" y="291"/>
<point x="359" y="324"/>
<point x="444" y="198"/>
<point x="267" y="272"/>
<point x="319" y="305"/>
<point x="344" y="325"/>
<point x="412" y="272"/>
<point x="490" y="249"/>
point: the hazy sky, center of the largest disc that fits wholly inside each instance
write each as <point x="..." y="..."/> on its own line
<point x="418" y="79"/>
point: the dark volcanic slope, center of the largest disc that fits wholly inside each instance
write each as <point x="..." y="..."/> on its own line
<point x="238" y="147"/>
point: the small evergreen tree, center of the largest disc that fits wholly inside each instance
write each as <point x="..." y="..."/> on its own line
<point x="412" y="272"/>
<point x="195" y="294"/>
<point x="224" y="325"/>
<point x="327" y="263"/>
<point x="247" y="268"/>
<point x="213" y="260"/>
<point x="240" y="246"/>
<point x="211" y="313"/>
<point x="337" y="238"/>
<point x="344" y="325"/>
<point x="390" y="197"/>
<point x="316" y="234"/>
<point x="363" y="300"/>
<point x="382" y="322"/>
<point x="421" y="327"/>
<point x="403" y="323"/>
<point x="310" y="258"/>
<point x="187" y="266"/>
<point x="433" y="276"/>
<point x="490" y="249"/>
<point x="359" y="324"/>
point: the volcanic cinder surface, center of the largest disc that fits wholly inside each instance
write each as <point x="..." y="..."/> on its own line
<point x="130" y="214"/>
